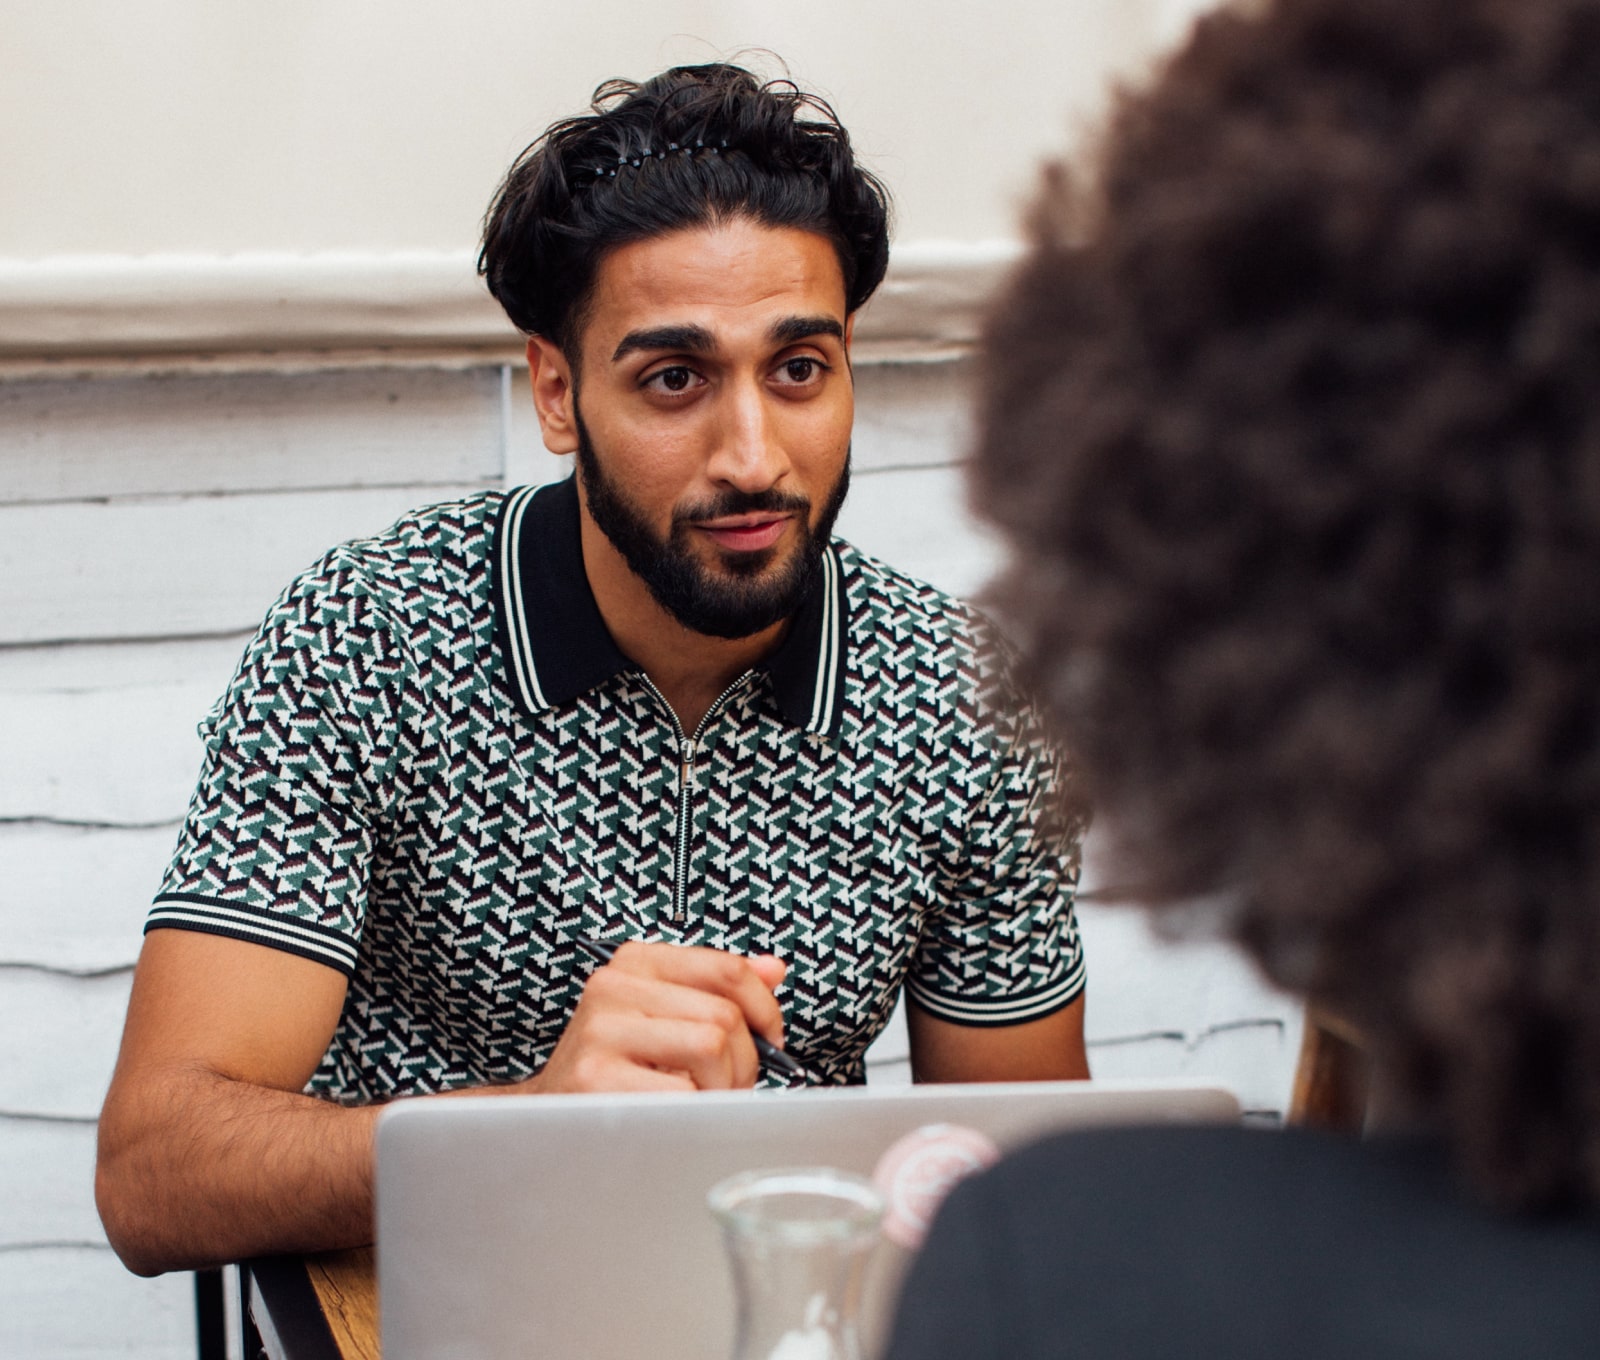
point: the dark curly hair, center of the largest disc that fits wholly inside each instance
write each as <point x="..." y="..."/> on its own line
<point x="694" y="145"/>
<point x="1293" y="418"/>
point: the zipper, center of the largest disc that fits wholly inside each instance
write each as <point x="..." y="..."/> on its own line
<point x="688" y="748"/>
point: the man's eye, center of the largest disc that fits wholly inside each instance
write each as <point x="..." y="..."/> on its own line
<point x="674" y="379"/>
<point x="801" y="370"/>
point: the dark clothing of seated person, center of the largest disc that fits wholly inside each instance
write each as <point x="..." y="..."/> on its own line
<point x="1250" y="1244"/>
<point x="1291" y="417"/>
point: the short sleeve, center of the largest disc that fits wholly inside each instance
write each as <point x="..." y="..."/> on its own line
<point x="300" y="756"/>
<point x="1002" y="947"/>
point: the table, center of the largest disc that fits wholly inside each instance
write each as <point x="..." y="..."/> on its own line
<point x="320" y="1307"/>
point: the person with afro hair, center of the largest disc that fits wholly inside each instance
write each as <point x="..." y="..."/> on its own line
<point x="1292" y="417"/>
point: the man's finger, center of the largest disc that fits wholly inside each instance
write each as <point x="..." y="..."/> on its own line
<point x="713" y="1057"/>
<point x="596" y="1070"/>
<point x="769" y="968"/>
<point x="734" y="976"/>
<point x="668" y="1025"/>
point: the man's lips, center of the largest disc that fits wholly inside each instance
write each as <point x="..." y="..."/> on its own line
<point x="745" y="533"/>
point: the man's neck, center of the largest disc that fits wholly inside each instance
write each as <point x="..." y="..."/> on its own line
<point x="690" y="669"/>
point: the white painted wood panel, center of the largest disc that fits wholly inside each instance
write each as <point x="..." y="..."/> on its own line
<point x="911" y="415"/>
<point x="69" y="1303"/>
<point x="170" y="433"/>
<point x="916" y="520"/>
<point x="74" y="898"/>
<point x="47" y="1183"/>
<point x="1193" y="1008"/>
<point x="1145" y="984"/>
<point x="85" y="667"/>
<point x="123" y="757"/>
<point x="58" y="1040"/>
<point x="173" y="567"/>
<point x="1249" y="1058"/>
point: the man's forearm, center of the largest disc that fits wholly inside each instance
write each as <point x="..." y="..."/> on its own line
<point x="197" y="1167"/>
<point x="207" y="1169"/>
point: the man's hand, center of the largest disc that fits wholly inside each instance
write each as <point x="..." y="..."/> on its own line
<point x="663" y="1017"/>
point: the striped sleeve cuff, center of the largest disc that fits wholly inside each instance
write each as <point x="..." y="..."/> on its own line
<point x="1000" y="1010"/>
<point x="208" y="915"/>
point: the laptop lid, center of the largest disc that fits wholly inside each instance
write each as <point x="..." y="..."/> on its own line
<point x="576" y="1227"/>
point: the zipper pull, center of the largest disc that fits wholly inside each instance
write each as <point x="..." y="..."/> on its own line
<point x="686" y="771"/>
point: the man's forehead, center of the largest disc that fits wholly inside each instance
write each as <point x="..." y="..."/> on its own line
<point x="699" y="288"/>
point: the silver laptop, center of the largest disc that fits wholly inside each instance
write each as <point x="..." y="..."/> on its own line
<point x="576" y="1227"/>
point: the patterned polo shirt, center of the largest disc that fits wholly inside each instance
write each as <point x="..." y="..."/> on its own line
<point x="434" y="771"/>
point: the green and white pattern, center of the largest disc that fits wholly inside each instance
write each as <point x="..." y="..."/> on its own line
<point x="379" y="795"/>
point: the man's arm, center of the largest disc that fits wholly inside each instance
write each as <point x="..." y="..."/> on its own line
<point x="1047" y="1049"/>
<point x="209" y="1151"/>
<point x="995" y="990"/>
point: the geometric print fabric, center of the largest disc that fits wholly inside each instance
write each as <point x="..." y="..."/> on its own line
<point x="372" y="797"/>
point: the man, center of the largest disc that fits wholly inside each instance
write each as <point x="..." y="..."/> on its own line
<point x="654" y="706"/>
<point x="1293" y="422"/>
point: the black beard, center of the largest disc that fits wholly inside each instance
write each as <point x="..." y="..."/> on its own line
<point x="743" y="599"/>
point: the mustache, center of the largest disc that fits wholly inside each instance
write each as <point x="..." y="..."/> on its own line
<point x="732" y="502"/>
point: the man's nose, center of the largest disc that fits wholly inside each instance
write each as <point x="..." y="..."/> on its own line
<point x="749" y="453"/>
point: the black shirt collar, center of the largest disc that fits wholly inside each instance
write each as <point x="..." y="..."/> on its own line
<point x="555" y="646"/>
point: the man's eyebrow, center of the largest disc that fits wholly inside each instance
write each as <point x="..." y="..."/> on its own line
<point x="694" y="339"/>
<point x="793" y="328"/>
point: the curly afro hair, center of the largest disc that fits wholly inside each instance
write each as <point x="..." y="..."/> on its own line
<point x="1293" y="418"/>
<point x="692" y="146"/>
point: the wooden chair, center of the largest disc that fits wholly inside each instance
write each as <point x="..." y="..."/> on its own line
<point x="1331" y="1077"/>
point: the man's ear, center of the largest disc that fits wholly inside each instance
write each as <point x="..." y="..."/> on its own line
<point x="554" y="395"/>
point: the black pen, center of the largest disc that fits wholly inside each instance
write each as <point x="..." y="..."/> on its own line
<point x="766" y="1050"/>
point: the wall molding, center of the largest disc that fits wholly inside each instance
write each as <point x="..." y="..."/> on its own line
<point x="63" y="312"/>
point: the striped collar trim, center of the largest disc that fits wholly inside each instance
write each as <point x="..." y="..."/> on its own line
<point x="555" y="645"/>
<point x="807" y="669"/>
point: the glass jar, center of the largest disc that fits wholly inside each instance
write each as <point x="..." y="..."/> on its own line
<point x="798" y="1241"/>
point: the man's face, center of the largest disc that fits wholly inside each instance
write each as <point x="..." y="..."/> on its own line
<point x="712" y="414"/>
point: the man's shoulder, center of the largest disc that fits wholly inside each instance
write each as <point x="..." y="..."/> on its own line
<point x="909" y="635"/>
<point x="430" y="559"/>
<point x="916" y="648"/>
<point x="884" y="599"/>
<point x="425" y="578"/>
<point x="458" y="532"/>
